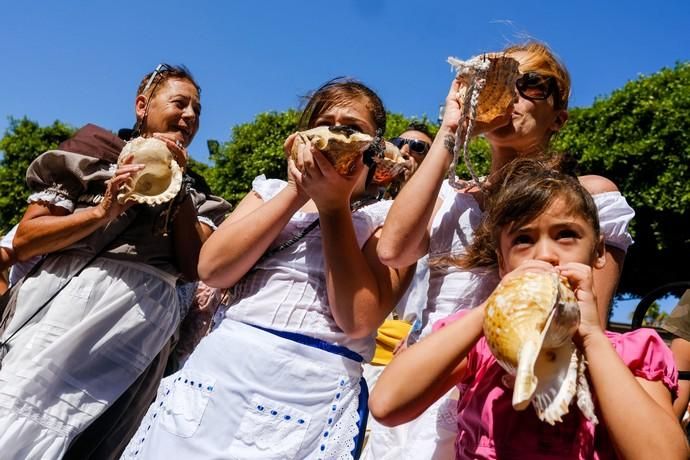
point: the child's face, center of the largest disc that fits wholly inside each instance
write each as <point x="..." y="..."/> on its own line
<point x="557" y="236"/>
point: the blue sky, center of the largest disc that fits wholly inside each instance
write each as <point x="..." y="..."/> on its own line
<point x="80" y="61"/>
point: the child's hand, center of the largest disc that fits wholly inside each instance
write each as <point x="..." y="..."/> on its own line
<point x="580" y="278"/>
<point x="313" y="173"/>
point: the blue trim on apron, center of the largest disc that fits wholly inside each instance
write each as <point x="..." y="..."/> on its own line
<point x="313" y="342"/>
<point x="363" y="411"/>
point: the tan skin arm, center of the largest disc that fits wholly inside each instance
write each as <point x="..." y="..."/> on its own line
<point x="405" y="237"/>
<point x="245" y="235"/>
<point x="681" y="354"/>
<point x="421" y="375"/>
<point x="361" y="290"/>
<point x="45" y="228"/>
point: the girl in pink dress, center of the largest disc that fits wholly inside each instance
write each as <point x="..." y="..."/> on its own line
<point x="539" y="219"/>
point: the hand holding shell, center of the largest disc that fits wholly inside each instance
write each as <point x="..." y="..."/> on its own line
<point x="160" y="179"/>
<point x="529" y="323"/>
<point x="341" y="145"/>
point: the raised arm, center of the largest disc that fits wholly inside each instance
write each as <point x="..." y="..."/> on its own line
<point x="424" y="372"/>
<point x="46" y="228"/>
<point x="405" y="237"/>
<point x="361" y="290"/>
<point x="239" y="242"/>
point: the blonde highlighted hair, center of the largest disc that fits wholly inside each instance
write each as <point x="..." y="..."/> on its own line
<point x="542" y="60"/>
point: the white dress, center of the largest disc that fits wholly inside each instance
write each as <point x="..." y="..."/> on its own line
<point x="70" y="360"/>
<point x="277" y="378"/>
<point x="446" y="289"/>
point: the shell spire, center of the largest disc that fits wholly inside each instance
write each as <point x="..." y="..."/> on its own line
<point x="529" y="324"/>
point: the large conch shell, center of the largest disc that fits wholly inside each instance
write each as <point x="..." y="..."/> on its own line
<point x="499" y="73"/>
<point x="529" y="324"/>
<point x="161" y="178"/>
<point x="390" y="165"/>
<point x="341" y="145"/>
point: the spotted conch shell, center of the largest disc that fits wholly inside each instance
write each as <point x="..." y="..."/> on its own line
<point x="499" y="74"/>
<point x="342" y="145"/>
<point x="390" y="165"/>
<point x="529" y="324"/>
<point x="161" y="178"/>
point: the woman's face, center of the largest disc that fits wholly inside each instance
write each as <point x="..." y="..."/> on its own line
<point x="173" y="111"/>
<point x="355" y="114"/>
<point x="532" y="122"/>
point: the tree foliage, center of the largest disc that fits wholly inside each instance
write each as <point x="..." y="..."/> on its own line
<point x="639" y="137"/>
<point x="23" y="141"/>
<point x="254" y="148"/>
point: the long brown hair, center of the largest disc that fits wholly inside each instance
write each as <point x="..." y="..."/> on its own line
<point x="338" y="91"/>
<point x="517" y="194"/>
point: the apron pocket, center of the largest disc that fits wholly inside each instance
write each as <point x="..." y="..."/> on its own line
<point x="269" y="430"/>
<point x="183" y="409"/>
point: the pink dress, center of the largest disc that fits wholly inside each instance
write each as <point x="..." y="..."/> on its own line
<point x="489" y="428"/>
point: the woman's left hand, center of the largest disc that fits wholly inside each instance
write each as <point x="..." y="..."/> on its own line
<point x="580" y="278"/>
<point x="176" y="148"/>
<point x="314" y="174"/>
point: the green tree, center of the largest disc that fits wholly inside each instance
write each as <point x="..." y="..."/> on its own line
<point x="639" y="137"/>
<point x="254" y="148"/>
<point x="23" y="141"/>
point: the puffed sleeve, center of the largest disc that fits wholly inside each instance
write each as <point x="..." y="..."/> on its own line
<point x="369" y="218"/>
<point x="647" y="356"/>
<point x="59" y="178"/>
<point x="210" y="209"/>
<point x="267" y="188"/>
<point x="614" y="216"/>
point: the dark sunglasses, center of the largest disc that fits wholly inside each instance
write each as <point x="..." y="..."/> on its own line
<point x="537" y="87"/>
<point x="159" y="70"/>
<point x="416" y="146"/>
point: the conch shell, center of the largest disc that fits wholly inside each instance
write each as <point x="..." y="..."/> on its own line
<point x="161" y="178"/>
<point x="529" y="324"/>
<point x="390" y="165"/>
<point x="498" y="72"/>
<point x="342" y="145"/>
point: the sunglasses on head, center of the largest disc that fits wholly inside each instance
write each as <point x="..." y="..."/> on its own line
<point x="159" y="70"/>
<point x="416" y="146"/>
<point x="537" y="87"/>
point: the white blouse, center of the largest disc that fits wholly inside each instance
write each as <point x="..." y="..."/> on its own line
<point x="287" y="291"/>
<point x="445" y="289"/>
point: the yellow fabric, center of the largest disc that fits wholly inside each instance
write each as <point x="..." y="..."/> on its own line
<point x="391" y="332"/>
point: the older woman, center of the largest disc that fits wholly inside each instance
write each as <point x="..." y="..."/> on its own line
<point x="103" y="303"/>
<point x="450" y="217"/>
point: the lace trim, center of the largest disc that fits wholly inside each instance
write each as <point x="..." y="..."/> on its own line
<point x="207" y="221"/>
<point x="339" y="442"/>
<point x="54" y="196"/>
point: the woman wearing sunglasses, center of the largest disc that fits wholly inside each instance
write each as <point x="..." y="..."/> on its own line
<point x="450" y="216"/>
